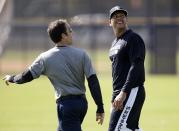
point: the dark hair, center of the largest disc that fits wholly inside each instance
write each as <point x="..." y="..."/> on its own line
<point x="56" y="28"/>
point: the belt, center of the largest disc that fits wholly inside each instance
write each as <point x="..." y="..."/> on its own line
<point x="68" y="97"/>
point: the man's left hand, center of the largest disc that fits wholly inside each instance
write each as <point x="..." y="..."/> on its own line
<point x="100" y="118"/>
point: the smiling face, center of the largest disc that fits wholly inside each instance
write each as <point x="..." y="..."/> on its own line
<point x="118" y="22"/>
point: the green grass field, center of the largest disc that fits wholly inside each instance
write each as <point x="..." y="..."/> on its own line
<point x="31" y="106"/>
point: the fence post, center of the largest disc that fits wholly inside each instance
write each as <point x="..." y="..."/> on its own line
<point x="163" y="42"/>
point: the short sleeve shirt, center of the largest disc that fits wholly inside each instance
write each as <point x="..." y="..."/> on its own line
<point x="66" y="68"/>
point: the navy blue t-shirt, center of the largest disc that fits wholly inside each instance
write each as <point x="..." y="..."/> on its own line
<point x="127" y="54"/>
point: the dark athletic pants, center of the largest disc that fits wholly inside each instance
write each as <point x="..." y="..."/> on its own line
<point x="71" y="112"/>
<point x="129" y="116"/>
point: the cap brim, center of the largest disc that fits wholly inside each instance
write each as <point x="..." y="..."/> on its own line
<point x="123" y="11"/>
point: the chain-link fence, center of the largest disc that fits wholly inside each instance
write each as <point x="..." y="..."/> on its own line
<point x="23" y="27"/>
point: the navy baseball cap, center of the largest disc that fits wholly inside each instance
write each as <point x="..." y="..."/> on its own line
<point x="116" y="9"/>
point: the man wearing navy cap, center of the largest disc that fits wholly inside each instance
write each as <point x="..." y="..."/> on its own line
<point x="127" y="54"/>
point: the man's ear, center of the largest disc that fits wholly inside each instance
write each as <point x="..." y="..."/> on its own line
<point x="64" y="35"/>
<point x="110" y="23"/>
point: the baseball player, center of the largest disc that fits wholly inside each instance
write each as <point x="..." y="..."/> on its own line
<point x="66" y="67"/>
<point x="127" y="55"/>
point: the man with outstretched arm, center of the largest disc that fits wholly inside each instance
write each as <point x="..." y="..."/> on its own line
<point x="66" y="67"/>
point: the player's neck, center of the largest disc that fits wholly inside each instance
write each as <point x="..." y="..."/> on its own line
<point x="120" y="32"/>
<point x="61" y="44"/>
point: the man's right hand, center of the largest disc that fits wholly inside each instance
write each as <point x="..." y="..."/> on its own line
<point x="7" y="79"/>
<point x="118" y="101"/>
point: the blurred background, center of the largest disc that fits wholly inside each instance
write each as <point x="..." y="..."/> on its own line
<point x="23" y="26"/>
<point x="23" y="36"/>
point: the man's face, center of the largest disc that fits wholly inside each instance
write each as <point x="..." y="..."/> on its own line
<point x="69" y="34"/>
<point x="118" y="20"/>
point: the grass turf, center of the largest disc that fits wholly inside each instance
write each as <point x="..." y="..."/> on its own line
<point x="31" y="106"/>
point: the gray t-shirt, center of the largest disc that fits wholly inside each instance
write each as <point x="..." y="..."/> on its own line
<point x="66" y="68"/>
